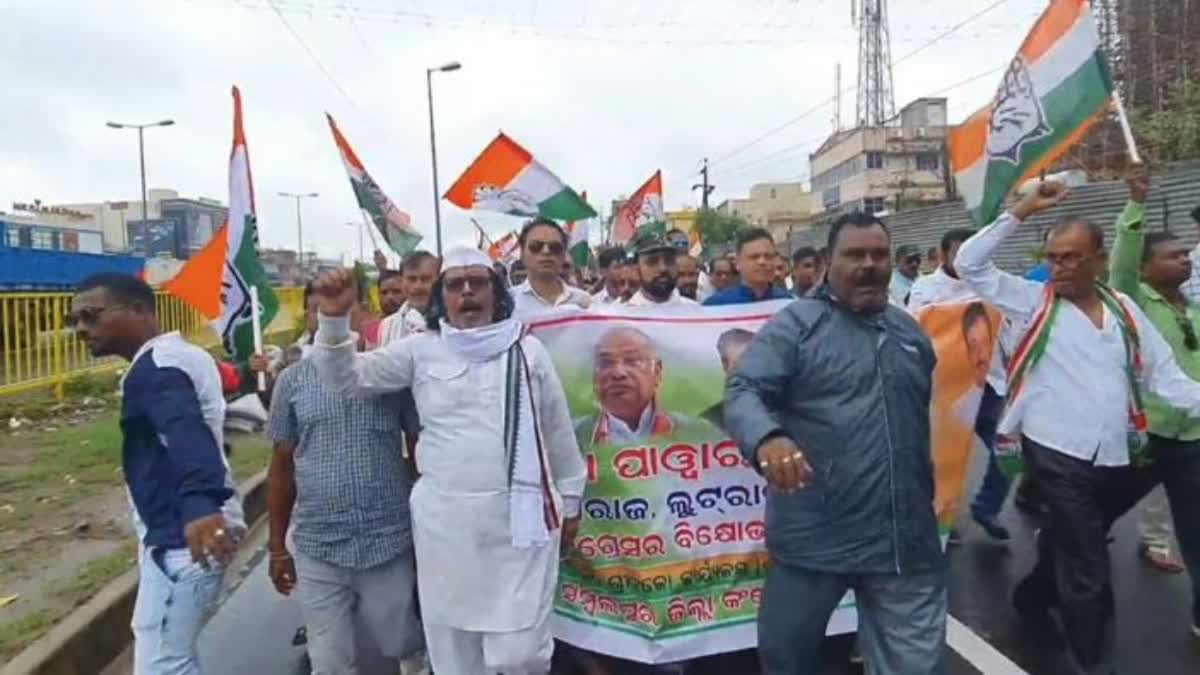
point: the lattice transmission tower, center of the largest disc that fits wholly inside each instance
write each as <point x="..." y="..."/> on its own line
<point x="876" y="95"/>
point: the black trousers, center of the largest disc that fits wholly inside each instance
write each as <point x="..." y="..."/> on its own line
<point x="1073" y="569"/>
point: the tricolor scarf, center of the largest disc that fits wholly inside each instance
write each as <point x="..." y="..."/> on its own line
<point x="1033" y="346"/>
<point x="534" y="503"/>
<point x="662" y="425"/>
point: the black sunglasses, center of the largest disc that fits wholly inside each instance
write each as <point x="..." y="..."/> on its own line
<point x="458" y="284"/>
<point x="551" y="247"/>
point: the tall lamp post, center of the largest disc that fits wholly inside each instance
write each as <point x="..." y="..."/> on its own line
<point x="299" y="221"/>
<point x="141" y="128"/>
<point x="437" y="193"/>
<point x="361" y="248"/>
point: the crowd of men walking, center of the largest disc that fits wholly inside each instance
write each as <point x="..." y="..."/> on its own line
<point x="1094" y="377"/>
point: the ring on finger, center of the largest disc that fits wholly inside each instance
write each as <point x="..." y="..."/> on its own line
<point x="788" y="459"/>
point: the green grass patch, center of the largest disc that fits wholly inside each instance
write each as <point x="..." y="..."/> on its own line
<point x="15" y="634"/>
<point x="95" y="574"/>
<point x="251" y="453"/>
<point x="71" y="461"/>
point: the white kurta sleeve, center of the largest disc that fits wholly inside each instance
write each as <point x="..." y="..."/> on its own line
<point x="1013" y="296"/>
<point x="340" y="366"/>
<point x="566" y="461"/>
<point x="1161" y="373"/>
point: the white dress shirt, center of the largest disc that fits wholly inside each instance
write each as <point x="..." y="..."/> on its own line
<point x="406" y="321"/>
<point x="1191" y="287"/>
<point x="474" y="579"/>
<point x="939" y="288"/>
<point x="530" y="304"/>
<point x="1076" y="399"/>
<point x="601" y="297"/>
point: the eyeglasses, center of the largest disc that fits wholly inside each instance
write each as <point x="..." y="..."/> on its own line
<point x="551" y="247"/>
<point x="605" y="363"/>
<point x="459" y="284"/>
<point x="86" y="315"/>
<point x="1189" y="333"/>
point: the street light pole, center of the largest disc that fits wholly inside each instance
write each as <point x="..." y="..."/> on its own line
<point x="141" y="128"/>
<point x="361" y="249"/>
<point x="299" y="221"/>
<point x="437" y="194"/>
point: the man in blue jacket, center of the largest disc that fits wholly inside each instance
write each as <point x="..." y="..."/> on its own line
<point x="831" y="404"/>
<point x="185" y="509"/>
<point x="756" y="256"/>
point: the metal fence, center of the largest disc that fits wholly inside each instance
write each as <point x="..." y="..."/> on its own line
<point x="39" y="352"/>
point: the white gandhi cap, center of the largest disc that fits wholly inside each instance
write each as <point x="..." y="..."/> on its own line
<point x="463" y="256"/>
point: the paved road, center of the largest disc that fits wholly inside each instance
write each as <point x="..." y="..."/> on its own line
<point x="252" y="633"/>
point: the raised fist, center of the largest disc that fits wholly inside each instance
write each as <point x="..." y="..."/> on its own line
<point x="335" y="292"/>
<point x="1047" y="195"/>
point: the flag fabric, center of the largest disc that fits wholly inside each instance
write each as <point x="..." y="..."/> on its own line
<point x="506" y="178"/>
<point x="394" y="224"/>
<point x="577" y="246"/>
<point x="218" y="279"/>
<point x="642" y="214"/>
<point x="1053" y="91"/>
<point x="504" y="249"/>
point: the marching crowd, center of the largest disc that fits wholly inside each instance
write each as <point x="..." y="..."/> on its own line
<point x="1094" y="377"/>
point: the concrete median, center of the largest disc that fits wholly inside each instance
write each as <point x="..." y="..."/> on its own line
<point x="96" y="633"/>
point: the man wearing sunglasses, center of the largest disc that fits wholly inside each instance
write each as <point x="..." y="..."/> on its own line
<point x="501" y="472"/>
<point x="1151" y="268"/>
<point x="1088" y="356"/>
<point x="544" y="252"/>
<point x="185" y="508"/>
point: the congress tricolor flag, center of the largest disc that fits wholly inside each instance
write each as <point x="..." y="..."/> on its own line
<point x="577" y="232"/>
<point x="394" y="224"/>
<point x="1053" y="91"/>
<point x="506" y="178"/>
<point x="642" y="215"/>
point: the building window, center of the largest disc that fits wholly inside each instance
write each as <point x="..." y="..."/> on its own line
<point x="14" y="237"/>
<point x="43" y="239"/>
<point x="772" y="193"/>
<point x="873" y="205"/>
<point x="874" y="160"/>
<point x="928" y="161"/>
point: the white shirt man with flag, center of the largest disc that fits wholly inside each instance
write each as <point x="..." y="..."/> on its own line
<point x="1085" y="356"/>
<point x="501" y="473"/>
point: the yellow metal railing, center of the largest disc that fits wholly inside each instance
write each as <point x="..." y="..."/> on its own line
<point x="39" y="352"/>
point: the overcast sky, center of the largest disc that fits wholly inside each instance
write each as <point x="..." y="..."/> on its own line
<point x="603" y="92"/>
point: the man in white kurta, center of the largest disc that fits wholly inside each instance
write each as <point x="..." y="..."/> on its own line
<point x="501" y="472"/>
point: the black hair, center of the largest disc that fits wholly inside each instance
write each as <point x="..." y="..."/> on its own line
<point x="1154" y="239"/>
<point x="853" y="219"/>
<point x="732" y="338"/>
<point x="752" y="235"/>
<point x="974" y="312"/>
<point x="414" y="260"/>
<point x="126" y="290"/>
<point x="674" y="230"/>
<point x="542" y="222"/>
<point x="516" y="265"/>
<point x="956" y="236"/>
<point x="804" y="253"/>
<point x="713" y="265"/>
<point x="308" y="292"/>
<point x="502" y="310"/>
<point x="610" y="256"/>
<point x="385" y="275"/>
<point x="1196" y="215"/>
<point x="1067" y="222"/>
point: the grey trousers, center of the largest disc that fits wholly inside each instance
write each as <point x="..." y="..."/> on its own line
<point x="336" y="601"/>
<point x="901" y="620"/>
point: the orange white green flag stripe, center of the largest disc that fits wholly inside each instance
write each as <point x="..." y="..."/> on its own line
<point x="506" y="178"/>
<point x="394" y="224"/>
<point x="577" y="233"/>
<point x="641" y="215"/>
<point x="504" y="249"/>
<point x="217" y="280"/>
<point x="1053" y="91"/>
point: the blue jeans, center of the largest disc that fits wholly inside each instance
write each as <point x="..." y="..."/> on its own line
<point x="901" y="620"/>
<point x="175" y="597"/>
<point x="990" y="499"/>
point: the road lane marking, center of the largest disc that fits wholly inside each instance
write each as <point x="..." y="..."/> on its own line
<point x="977" y="651"/>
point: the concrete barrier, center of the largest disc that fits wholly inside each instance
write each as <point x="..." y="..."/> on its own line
<point x="96" y="633"/>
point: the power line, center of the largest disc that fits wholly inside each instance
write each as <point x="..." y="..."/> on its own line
<point x="313" y="56"/>
<point x="745" y="146"/>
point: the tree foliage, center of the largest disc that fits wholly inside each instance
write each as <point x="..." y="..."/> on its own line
<point x="1173" y="134"/>
<point x="718" y="228"/>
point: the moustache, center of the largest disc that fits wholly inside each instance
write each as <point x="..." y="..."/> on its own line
<point x="871" y="277"/>
<point x="470" y="306"/>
